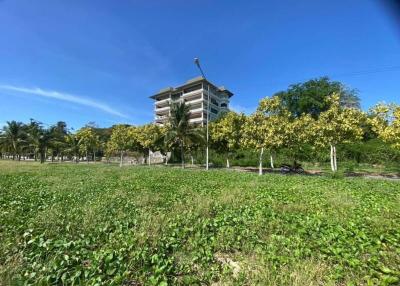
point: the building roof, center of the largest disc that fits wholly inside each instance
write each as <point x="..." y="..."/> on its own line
<point x="192" y="81"/>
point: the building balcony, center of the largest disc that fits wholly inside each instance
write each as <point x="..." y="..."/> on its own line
<point x="193" y="94"/>
<point x="197" y="110"/>
<point x="196" y="120"/>
<point x="162" y="112"/>
<point x="157" y="109"/>
<point x="194" y="101"/>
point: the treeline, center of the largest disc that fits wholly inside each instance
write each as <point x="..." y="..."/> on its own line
<point x="311" y="121"/>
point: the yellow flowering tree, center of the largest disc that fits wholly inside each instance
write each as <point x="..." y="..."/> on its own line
<point x="296" y="133"/>
<point x="385" y="121"/>
<point x="88" y="140"/>
<point x="266" y="128"/>
<point x="149" y="138"/>
<point x="226" y="133"/>
<point x="120" y="141"/>
<point x="337" y="125"/>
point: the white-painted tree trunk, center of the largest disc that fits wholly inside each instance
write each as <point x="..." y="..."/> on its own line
<point x="191" y="157"/>
<point x="149" y="158"/>
<point x="333" y="159"/>
<point x="272" y="161"/>
<point x="121" y="159"/>
<point x="260" y="170"/>
<point x="227" y="163"/>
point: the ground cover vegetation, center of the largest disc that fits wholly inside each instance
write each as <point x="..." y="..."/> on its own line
<point x="317" y="122"/>
<point x="98" y="224"/>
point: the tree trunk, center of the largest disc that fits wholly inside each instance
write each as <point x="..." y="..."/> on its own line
<point x="260" y="170"/>
<point x="94" y="156"/>
<point x="182" y="156"/>
<point x="149" y="158"/>
<point x="192" y="159"/>
<point x="332" y="159"/>
<point x="87" y="157"/>
<point x="42" y="156"/>
<point x="227" y="163"/>
<point x="272" y="161"/>
<point x="122" y="155"/>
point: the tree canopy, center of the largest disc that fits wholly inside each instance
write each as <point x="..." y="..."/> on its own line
<point x="310" y="97"/>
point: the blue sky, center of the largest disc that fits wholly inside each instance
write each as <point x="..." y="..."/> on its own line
<point x="82" y="61"/>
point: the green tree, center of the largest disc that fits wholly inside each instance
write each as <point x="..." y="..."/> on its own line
<point x="180" y="132"/>
<point x="32" y="130"/>
<point x="226" y="133"/>
<point x="13" y="136"/>
<point x="58" y="132"/>
<point x="311" y="96"/>
<point x="41" y="141"/>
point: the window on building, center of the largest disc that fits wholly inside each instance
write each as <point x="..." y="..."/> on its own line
<point x="214" y="111"/>
<point x="224" y="105"/>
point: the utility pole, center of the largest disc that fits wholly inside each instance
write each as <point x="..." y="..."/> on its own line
<point x="197" y="63"/>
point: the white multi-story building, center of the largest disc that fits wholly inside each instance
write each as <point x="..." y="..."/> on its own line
<point x="195" y="94"/>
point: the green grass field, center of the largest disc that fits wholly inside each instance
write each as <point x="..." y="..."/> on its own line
<point x="67" y="224"/>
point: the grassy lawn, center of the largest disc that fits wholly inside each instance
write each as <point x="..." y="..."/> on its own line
<point x="91" y="224"/>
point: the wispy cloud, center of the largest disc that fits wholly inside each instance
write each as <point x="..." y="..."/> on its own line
<point x="65" y="97"/>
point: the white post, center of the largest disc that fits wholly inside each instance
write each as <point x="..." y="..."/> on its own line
<point x="332" y="164"/>
<point x="334" y="158"/>
<point x="149" y="157"/>
<point x="272" y="161"/>
<point x="260" y="170"/>
<point x="227" y="163"/>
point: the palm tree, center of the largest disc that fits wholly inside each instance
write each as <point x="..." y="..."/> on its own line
<point x="32" y="130"/>
<point x="58" y="131"/>
<point x="180" y="132"/>
<point x="41" y="140"/>
<point x="13" y="137"/>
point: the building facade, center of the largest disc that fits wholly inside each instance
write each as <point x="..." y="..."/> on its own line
<point x="195" y="94"/>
